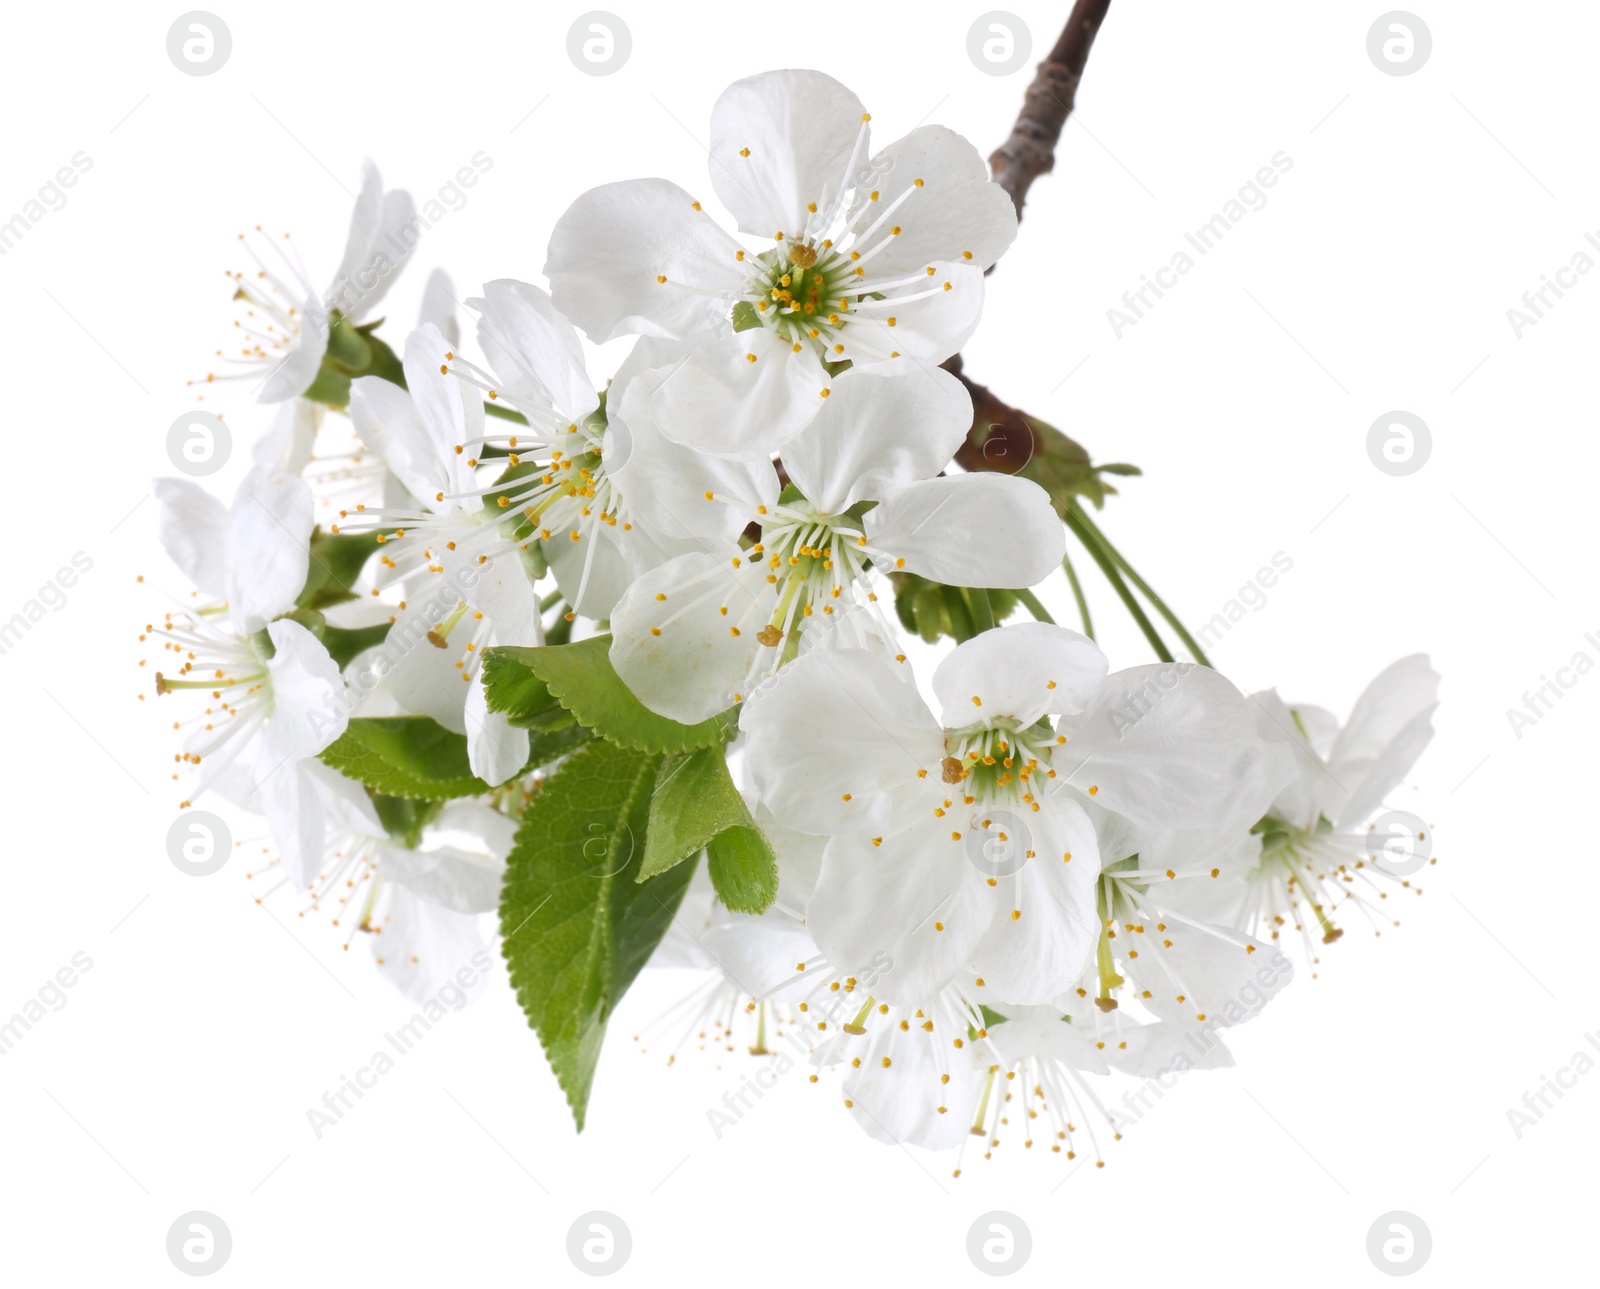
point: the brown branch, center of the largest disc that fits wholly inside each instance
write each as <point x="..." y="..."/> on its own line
<point x="1002" y="438"/>
<point x="1030" y="151"/>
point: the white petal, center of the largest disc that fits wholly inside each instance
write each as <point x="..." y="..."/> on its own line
<point x="1387" y="705"/>
<point x="390" y="423"/>
<point x="451" y="411"/>
<point x="1041" y="1032"/>
<point x="453" y="879"/>
<point x="614" y="244"/>
<point x="1161" y="1050"/>
<point x="297" y="369"/>
<point x="498" y="588"/>
<point x="268" y="546"/>
<point x="782" y="140"/>
<point x="982" y="530"/>
<point x="834" y="744"/>
<point x="1173" y="745"/>
<point x="293" y="437"/>
<point x="881" y="428"/>
<point x="439" y="305"/>
<point x="309" y="706"/>
<point x="1023" y="671"/>
<point x="345" y="801"/>
<point x="365" y="221"/>
<point x="911" y="910"/>
<point x="292" y="807"/>
<point x="1387" y="730"/>
<point x="474" y="826"/>
<point x="914" y="1087"/>
<point x="741" y="397"/>
<point x="930" y="328"/>
<point x="424" y="679"/>
<point x="1300" y="800"/>
<point x="1371" y="781"/>
<point x="1035" y="956"/>
<point x="496" y="749"/>
<point x="759" y="954"/>
<point x="535" y="355"/>
<point x="955" y="214"/>
<point x="665" y="483"/>
<point x="431" y="953"/>
<point x="193" y="527"/>
<point x="673" y="645"/>
<point x="1224" y="977"/>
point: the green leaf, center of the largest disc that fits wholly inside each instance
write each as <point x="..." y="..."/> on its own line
<point x="336" y="562"/>
<point x="694" y="805"/>
<point x="743" y="869"/>
<point x="344" y="643"/>
<point x="931" y="609"/>
<point x="577" y="927"/>
<point x="581" y="679"/>
<point x="416" y="757"/>
<point x="405" y="756"/>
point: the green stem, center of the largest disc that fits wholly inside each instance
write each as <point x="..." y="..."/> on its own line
<point x="1097" y="552"/>
<point x="955" y="604"/>
<point x="982" y="610"/>
<point x="1030" y="601"/>
<point x="504" y="413"/>
<point x="1077" y="594"/>
<point x="1149" y="594"/>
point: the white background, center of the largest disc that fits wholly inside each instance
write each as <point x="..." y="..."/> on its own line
<point x="1418" y="210"/>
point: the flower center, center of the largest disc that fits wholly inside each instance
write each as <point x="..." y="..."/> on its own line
<point x="997" y="762"/>
<point x="810" y="558"/>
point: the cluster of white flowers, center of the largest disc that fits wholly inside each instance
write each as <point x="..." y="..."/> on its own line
<point x="1049" y="872"/>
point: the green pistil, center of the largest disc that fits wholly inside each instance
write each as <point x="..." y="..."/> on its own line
<point x="817" y="291"/>
<point x="856" y="1024"/>
<point x="999" y="763"/>
<point x="1104" y="965"/>
<point x="439" y="637"/>
<point x="983" y="1105"/>
<point x="1281" y="842"/>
